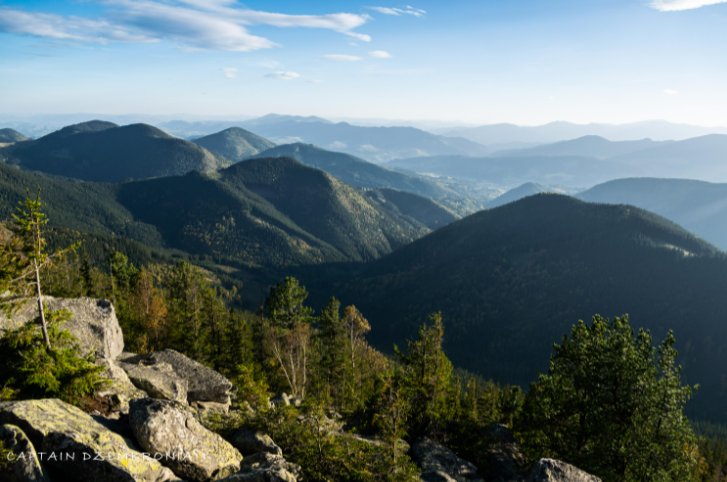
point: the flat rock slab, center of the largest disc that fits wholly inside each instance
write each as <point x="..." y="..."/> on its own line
<point x="75" y="446"/>
<point x="24" y="464"/>
<point x="250" y="442"/>
<point x="162" y="426"/>
<point x="159" y="381"/>
<point x="93" y="323"/>
<point x="432" y="456"/>
<point x="550" y="470"/>
<point x="265" y="467"/>
<point x="205" y="384"/>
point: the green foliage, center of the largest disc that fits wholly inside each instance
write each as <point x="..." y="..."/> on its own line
<point x="611" y="404"/>
<point x="284" y="305"/>
<point x="29" y="370"/>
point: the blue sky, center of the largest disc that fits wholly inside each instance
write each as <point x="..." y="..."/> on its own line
<point x="485" y="61"/>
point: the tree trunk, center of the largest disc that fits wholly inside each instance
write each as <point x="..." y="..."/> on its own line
<point x="43" y="325"/>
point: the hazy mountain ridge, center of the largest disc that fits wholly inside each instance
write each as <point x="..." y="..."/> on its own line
<point x="104" y="152"/>
<point x="593" y="146"/>
<point x="510" y="281"/>
<point x="234" y="143"/>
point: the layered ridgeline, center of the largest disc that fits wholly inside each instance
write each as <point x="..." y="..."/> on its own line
<point x="512" y="280"/>
<point x="700" y="207"/>
<point x="104" y="152"/>
<point x="593" y="146"/>
<point x="269" y="212"/>
<point x="234" y="143"/>
<point x="8" y="136"/>
<point x="527" y="189"/>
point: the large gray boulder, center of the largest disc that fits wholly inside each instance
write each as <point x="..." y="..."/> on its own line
<point x="433" y="457"/>
<point x="205" y="384"/>
<point x="506" y="461"/>
<point x="24" y="463"/>
<point x="75" y="446"/>
<point x="265" y="467"/>
<point x="250" y="442"/>
<point x="119" y="385"/>
<point x="93" y="323"/>
<point x="159" y="381"/>
<point x="549" y="470"/>
<point x="166" y="427"/>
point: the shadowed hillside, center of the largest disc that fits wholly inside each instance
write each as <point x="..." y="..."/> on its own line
<point x="234" y="143"/>
<point x="8" y="136"/>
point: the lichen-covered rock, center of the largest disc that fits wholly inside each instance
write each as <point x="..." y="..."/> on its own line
<point x="159" y="381"/>
<point x="23" y="460"/>
<point x="265" y="467"/>
<point x="549" y="470"/>
<point x="119" y="385"/>
<point x="436" y="477"/>
<point x="213" y="407"/>
<point x="432" y="456"/>
<point x="205" y="384"/>
<point x="250" y="442"/>
<point x="281" y="399"/>
<point x="93" y="323"/>
<point x="162" y="426"/>
<point x="77" y="447"/>
<point x="506" y="460"/>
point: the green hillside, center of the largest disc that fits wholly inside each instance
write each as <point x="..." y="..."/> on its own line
<point x="234" y="143"/>
<point x="700" y="207"/>
<point x="511" y="281"/>
<point x="8" y="136"/>
<point x="104" y="152"/>
<point x="262" y="212"/>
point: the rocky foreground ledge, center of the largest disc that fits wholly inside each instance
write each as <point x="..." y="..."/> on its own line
<point x="156" y="431"/>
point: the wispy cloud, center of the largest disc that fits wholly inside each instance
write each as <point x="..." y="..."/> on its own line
<point x="269" y="64"/>
<point x="677" y="5"/>
<point x="343" y="58"/>
<point x="314" y="81"/>
<point x="671" y="92"/>
<point x="399" y="11"/>
<point x="379" y="54"/>
<point x="192" y="24"/>
<point x="283" y="75"/>
<point x="230" y="72"/>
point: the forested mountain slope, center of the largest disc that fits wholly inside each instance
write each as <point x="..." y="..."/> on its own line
<point x="11" y="135"/>
<point x="700" y="207"/>
<point x="262" y="212"/>
<point x="234" y="143"/>
<point x="104" y="152"/>
<point x="511" y="281"/>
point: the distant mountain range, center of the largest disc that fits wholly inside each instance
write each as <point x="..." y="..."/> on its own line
<point x="269" y="212"/>
<point x="234" y="143"/>
<point x="593" y="146"/>
<point x="561" y="131"/>
<point x="375" y="144"/>
<point x="511" y="281"/>
<point x="104" y="152"/>
<point x="8" y="136"/>
<point x="525" y="190"/>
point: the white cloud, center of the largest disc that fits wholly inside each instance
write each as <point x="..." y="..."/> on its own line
<point x="314" y="81"/>
<point x="398" y="11"/>
<point x="368" y="148"/>
<point x="338" y="145"/>
<point x="342" y="58"/>
<point x="230" y="72"/>
<point x="379" y="54"/>
<point x="671" y="92"/>
<point x="191" y="24"/>
<point x="677" y="5"/>
<point x="283" y="75"/>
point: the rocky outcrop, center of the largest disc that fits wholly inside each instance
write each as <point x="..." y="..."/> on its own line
<point x="435" y="459"/>
<point x="205" y="384"/>
<point x="250" y="442"/>
<point x="159" y="381"/>
<point x="265" y="467"/>
<point x="162" y="426"/>
<point x="23" y="460"/>
<point x="549" y="470"/>
<point x="76" y="447"/>
<point x="506" y="461"/>
<point x="93" y="323"/>
<point x="119" y="386"/>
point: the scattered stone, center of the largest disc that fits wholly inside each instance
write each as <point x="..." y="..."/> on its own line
<point x="162" y="426"/>
<point x="93" y="323"/>
<point x="432" y="456"/>
<point x="281" y="398"/>
<point x="506" y="460"/>
<point x="75" y="446"/>
<point x="205" y="384"/>
<point x="549" y="470"/>
<point x="250" y="442"/>
<point x="25" y="466"/>
<point x="265" y="467"/>
<point x="213" y="407"/>
<point x="159" y="381"/>
<point x="120" y="387"/>
<point x="436" y="477"/>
